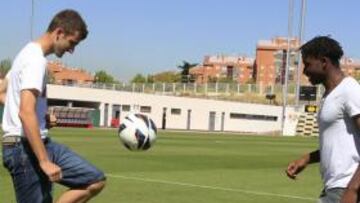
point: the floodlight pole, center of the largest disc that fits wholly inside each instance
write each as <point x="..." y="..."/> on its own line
<point x="285" y="85"/>
<point x="301" y="35"/>
<point x="32" y="20"/>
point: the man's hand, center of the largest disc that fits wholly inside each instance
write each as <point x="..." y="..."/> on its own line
<point x="296" y="167"/>
<point x="50" y="120"/>
<point x="3" y="88"/>
<point x="52" y="170"/>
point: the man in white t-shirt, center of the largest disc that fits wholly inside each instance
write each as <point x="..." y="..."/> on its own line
<point x="339" y="123"/>
<point x="33" y="160"/>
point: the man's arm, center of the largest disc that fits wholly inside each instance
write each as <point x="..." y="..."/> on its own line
<point x="351" y="192"/>
<point x="30" y="124"/>
<point x="3" y="88"/>
<point x="298" y="165"/>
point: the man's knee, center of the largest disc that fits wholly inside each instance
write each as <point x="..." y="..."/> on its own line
<point x="95" y="188"/>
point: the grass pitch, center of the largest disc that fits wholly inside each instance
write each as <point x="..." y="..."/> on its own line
<point x="188" y="167"/>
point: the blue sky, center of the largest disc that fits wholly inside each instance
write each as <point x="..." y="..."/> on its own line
<point x="148" y="36"/>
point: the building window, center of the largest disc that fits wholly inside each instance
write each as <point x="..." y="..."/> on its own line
<point x="229" y="72"/>
<point x="253" y="117"/>
<point x="125" y="107"/>
<point x="175" y="111"/>
<point x="70" y="82"/>
<point x="145" y="109"/>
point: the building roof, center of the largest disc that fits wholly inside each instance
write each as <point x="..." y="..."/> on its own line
<point x="278" y="43"/>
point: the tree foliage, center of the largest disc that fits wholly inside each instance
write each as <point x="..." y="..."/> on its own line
<point x="162" y="77"/>
<point x="185" y="71"/>
<point x="165" y="77"/>
<point x="139" y="78"/>
<point x="103" y="77"/>
<point x="5" y="66"/>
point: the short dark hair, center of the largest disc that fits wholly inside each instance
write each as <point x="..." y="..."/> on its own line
<point x="323" y="46"/>
<point x="70" y="21"/>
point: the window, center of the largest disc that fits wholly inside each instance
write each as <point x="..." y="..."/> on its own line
<point x="253" y="117"/>
<point x="145" y="109"/>
<point x="229" y="72"/>
<point x="175" y="111"/>
<point x="125" y="107"/>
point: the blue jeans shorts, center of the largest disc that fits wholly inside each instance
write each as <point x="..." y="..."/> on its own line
<point x="30" y="182"/>
<point x="332" y="195"/>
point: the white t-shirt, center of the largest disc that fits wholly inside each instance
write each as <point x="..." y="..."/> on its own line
<point x="27" y="72"/>
<point x="339" y="136"/>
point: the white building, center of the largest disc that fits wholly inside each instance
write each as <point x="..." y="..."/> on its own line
<point x="178" y="112"/>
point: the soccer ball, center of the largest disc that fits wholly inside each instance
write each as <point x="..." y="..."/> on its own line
<point x="137" y="132"/>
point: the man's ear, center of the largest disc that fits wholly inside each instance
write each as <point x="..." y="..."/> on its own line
<point x="58" y="32"/>
<point x="325" y="61"/>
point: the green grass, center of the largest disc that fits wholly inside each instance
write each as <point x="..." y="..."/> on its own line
<point x="191" y="167"/>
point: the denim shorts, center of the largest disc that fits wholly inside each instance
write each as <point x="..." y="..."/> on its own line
<point x="332" y="195"/>
<point x="30" y="182"/>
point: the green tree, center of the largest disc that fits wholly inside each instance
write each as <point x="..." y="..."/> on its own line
<point x="150" y="79"/>
<point x="185" y="71"/>
<point x="166" y="77"/>
<point x="50" y="78"/>
<point x="356" y="73"/>
<point x="138" y="78"/>
<point x="103" y="77"/>
<point x="5" y="66"/>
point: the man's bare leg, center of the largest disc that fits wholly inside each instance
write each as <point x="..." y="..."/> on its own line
<point x="81" y="195"/>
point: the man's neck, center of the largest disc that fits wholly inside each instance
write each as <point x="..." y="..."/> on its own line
<point x="334" y="79"/>
<point x="46" y="43"/>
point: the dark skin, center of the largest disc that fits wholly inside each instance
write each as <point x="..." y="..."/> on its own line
<point x="323" y="71"/>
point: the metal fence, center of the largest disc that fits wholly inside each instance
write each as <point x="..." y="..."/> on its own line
<point x="193" y="89"/>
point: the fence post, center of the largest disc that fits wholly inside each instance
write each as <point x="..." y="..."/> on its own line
<point x="206" y="89"/>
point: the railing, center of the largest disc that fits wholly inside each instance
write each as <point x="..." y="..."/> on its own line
<point x="230" y="91"/>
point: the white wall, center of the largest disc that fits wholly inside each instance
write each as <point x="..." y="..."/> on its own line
<point x="200" y="109"/>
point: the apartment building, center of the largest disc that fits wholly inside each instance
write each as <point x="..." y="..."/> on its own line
<point x="224" y="68"/>
<point x="270" y="60"/>
<point x="60" y="74"/>
<point x="351" y="67"/>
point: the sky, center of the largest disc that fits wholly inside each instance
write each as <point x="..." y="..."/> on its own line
<point x="127" y="37"/>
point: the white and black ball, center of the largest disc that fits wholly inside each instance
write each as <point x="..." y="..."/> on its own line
<point x="137" y="132"/>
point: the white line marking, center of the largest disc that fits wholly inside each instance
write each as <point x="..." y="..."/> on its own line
<point x="211" y="187"/>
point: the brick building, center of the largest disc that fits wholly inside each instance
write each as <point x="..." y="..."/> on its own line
<point x="60" y="74"/>
<point x="270" y="60"/>
<point x="351" y="67"/>
<point x="224" y="67"/>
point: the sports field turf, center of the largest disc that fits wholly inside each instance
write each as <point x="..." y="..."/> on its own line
<point x="187" y="167"/>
